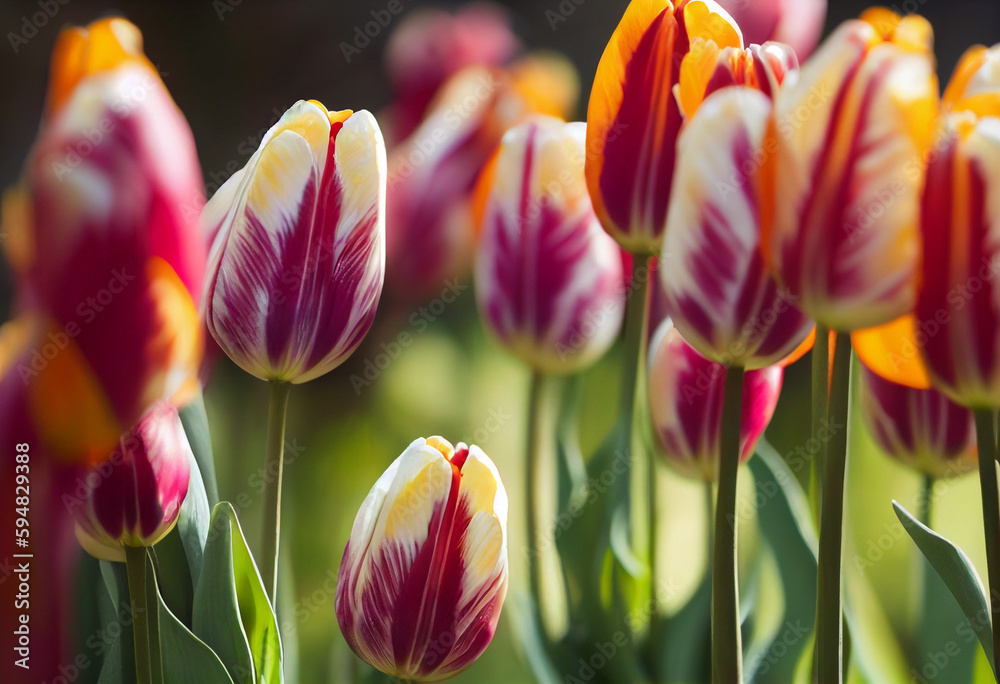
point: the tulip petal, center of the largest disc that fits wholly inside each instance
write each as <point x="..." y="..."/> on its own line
<point x="717" y="290"/>
<point x="842" y="189"/>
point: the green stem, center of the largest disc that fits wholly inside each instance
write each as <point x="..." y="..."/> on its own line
<point x="273" y="467"/>
<point x="727" y="646"/>
<point x="709" y="517"/>
<point x="987" y="444"/>
<point x="531" y="467"/>
<point x="634" y="358"/>
<point x="925" y="505"/>
<point x="135" y="568"/>
<point x="820" y="407"/>
<point x="829" y="607"/>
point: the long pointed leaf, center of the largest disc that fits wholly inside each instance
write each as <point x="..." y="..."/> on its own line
<point x="958" y="574"/>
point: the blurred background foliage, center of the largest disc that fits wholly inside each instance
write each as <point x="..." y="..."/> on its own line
<point x="233" y="66"/>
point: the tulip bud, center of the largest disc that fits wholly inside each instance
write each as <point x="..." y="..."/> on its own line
<point x="840" y="202"/>
<point x="686" y="397"/>
<point x="298" y="260"/>
<point x="548" y="279"/>
<point x="796" y="22"/>
<point x="634" y="115"/>
<point x="108" y="240"/>
<point x="921" y="428"/>
<point x="424" y="574"/>
<point x="717" y="290"/>
<point x="133" y="497"/>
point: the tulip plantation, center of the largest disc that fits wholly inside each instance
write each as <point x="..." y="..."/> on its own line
<point x="683" y="370"/>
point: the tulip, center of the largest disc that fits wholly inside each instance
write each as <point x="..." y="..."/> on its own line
<point x="796" y="22"/>
<point x="548" y="278"/>
<point x="923" y="429"/>
<point x="718" y="292"/>
<point x="297" y="265"/>
<point x="686" y="401"/>
<point x="424" y="575"/>
<point x="430" y="46"/>
<point x="840" y="203"/>
<point x="634" y="116"/>
<point x="102" y="201"/>
<point x="433" y="173"/>
<point x="134" y="497"/>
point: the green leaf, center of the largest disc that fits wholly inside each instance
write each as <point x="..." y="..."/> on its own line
<point x="958" y="574"/>
<point x="175" y="581"/>
<point x="115" y="635"/>
<point x="196" y="511"/>
<point x="216" y="617"/>
<point x="795" y="496"/>
<point x="184" y="657"/>
<point x="232" y="613"/>
<point x="768" y="611"/>
<point x="195" y="422"/>
<point x="687" y="639"/>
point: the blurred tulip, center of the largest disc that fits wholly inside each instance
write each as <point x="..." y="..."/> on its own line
<point x="424" y="574"/>
<point x="133" y="497"/>
<point x="432" y="174"/>
<point x="717" y="290"/>
<point x="923" y="429"/>
<point x="798" y="23"/>
<point x="548" y="278"/>
<point x="635" y="116"/>
<point x="840" y="204"/>
<point x="298" y="261"/>
<point x="685" y="400"/>
<point x="103" y="195"/>
<point x="960" y="293"/>
<point x="431" y="45"/>
<point x="951" y="340"/>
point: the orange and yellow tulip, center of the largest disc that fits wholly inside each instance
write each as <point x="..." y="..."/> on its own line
<point x="635" y="112"/>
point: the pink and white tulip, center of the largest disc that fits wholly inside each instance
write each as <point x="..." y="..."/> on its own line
<point x="922" y="429"/>
<point x="424" y="574"/>
<point x="686" y="398"/>
<point x="548" y="278"/>
<point x="134" y="496"/>
<point x="107" y="244"/>
<point x="298" y="261"/>
<point x="718" y="291"/>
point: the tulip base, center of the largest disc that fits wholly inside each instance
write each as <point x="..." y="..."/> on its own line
<point x="829" y="606"/>
<point x="727" y="641"/>
<point x="987" y="444"/>
<point x="274" y="463"/>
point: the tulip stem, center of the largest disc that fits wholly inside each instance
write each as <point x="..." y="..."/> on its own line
<point x="727" y="641"/>
<point x="633" y="407"/>
<point x="273" y="467"/>
<point x="986" y="439"/>
<point x="820" y="406"/>
<point x="531" y="467"/>
<point x="135" y="568"/>
<point x="829" y="606"/>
